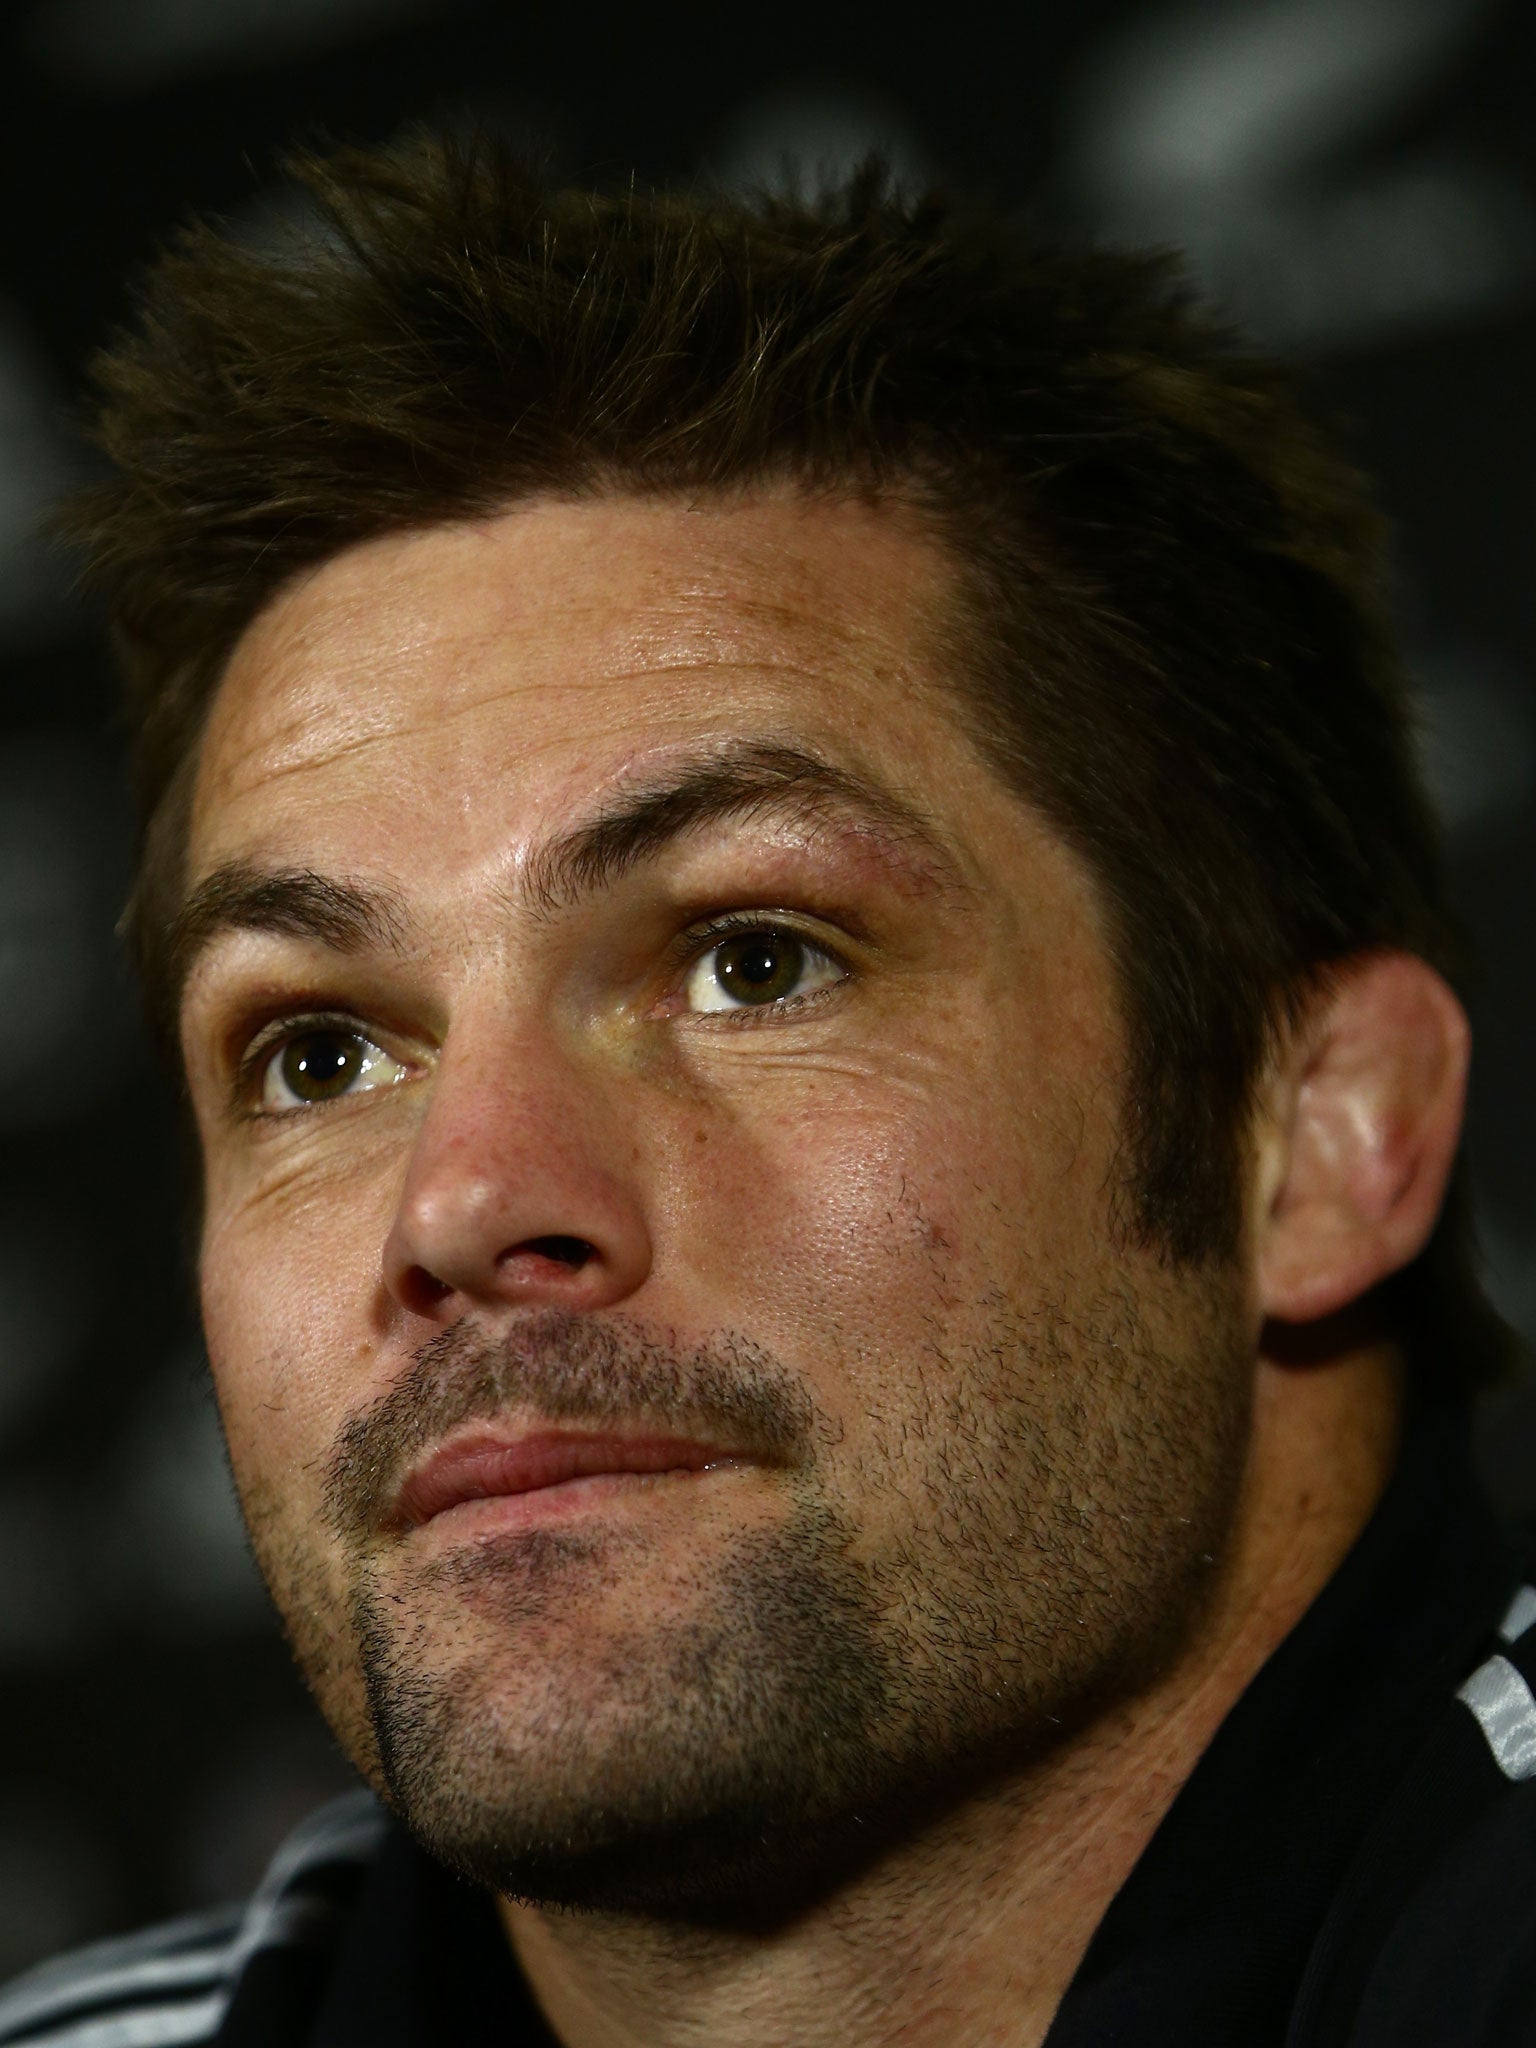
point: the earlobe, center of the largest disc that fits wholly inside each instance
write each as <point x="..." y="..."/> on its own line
<point x="1364" y="1128"/>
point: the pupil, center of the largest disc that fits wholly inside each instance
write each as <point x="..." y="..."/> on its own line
<point x="759" y="967"/>
<point x="320" y="1065"/>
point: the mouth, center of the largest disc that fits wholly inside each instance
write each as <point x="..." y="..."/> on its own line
<point x="495" y="1479"/>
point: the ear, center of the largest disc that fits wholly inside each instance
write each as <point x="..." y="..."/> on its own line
<point x="1360" y="1135"/>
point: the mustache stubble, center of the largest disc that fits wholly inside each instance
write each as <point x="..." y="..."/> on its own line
<point x="566" y="1368"/>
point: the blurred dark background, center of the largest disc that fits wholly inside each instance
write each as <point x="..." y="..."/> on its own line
<point x="1352" y="178"/>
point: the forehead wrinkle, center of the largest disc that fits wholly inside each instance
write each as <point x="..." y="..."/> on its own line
<point x="273" y="758"/>
<point x="707" y="627"/>
<point x="309" y="760"/>
<point x="744" y="780"/>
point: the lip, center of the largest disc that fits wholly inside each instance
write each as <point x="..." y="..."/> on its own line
<point x="492" y="1466"/>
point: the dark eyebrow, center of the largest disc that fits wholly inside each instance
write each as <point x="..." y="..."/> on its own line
<point x="740" y="779"/>
<point x="294" y="902"/>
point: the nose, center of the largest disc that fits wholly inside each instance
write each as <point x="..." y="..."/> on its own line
<point x="518" y="1192"/>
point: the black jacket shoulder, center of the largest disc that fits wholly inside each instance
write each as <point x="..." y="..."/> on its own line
<point x="1432" y="1939"/>
<point x="175" y="1984"/>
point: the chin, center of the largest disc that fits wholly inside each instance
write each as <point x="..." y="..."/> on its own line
<point x="557" y="1748"/>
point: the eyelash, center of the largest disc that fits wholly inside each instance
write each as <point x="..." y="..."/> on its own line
<point x="702" y="939"/>
<point x="271" y="1040"/>
<point x="274" y="1036"/>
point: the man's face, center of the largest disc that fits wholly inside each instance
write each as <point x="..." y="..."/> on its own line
<point x="660" y="1100"/>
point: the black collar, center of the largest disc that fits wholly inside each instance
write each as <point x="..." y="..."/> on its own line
<point x="425" y="1964"/>
<point x="1207" y="1942"/>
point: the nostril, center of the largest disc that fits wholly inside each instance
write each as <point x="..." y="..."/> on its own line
<point x="564" y="1251"/>
<point x="422" y="1291"/>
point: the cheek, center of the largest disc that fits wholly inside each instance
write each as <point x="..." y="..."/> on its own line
<point x="288" y="1292"/>
<point x="843" y="1226"/>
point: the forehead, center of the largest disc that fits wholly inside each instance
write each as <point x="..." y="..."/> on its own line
<point x="564" y="641"/>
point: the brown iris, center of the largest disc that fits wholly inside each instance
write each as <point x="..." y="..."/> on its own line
<point x="759" y="967"/>
<point x="321" y="1065"/>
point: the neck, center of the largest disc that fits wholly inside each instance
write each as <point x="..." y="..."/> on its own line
<point x="972" y="1929"/>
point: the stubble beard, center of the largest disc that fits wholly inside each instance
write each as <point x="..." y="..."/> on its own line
<point x="808" y="1702"/>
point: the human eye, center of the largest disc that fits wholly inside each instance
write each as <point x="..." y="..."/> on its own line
<point x="757" y="965"/>
<point x="305" y="1064"/>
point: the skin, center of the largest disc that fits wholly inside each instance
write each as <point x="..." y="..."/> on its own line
<point x="898" y="1190"/>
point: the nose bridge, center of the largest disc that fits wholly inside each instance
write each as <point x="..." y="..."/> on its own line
<point x="522" y="1185"/>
